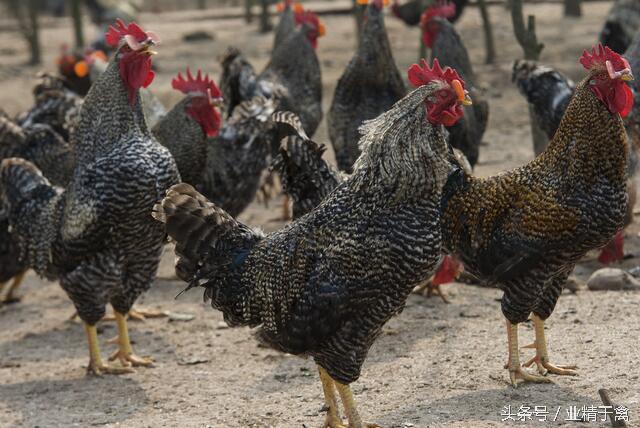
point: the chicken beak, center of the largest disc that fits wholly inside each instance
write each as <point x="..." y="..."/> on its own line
<point x="628" y="77"/>
<point x="463" y="96"/>
<point x="147" y="49"/>
<point x="322" y="30"/>
<point x="217" y="102"/>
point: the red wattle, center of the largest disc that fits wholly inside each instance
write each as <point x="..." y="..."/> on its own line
<point x="614" y="250"/>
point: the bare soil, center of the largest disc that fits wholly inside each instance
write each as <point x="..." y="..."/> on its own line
<point x="435" y="365"/>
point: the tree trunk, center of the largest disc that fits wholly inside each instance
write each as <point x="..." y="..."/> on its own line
<point x="573" y="8"/>
<point x="488" y="33"/>
<point x="34" y="36"/>
<point x="77" y="23"/>
<point x="265" y="19"/>
<point x="248" y="17"/>
<point x="529" y="42"/>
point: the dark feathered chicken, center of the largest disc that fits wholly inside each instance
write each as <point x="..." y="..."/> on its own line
<point x="185" y="129"/>
<point x="55" y="105"/>
<point x="369" y="85"/>
<point x="447" y="47"/>
<point x="292" y="76"/>
<point x="411" y="11"/>
<point x="236" y="158"/>
<point x="305" y="176"/>
<point x="42" y="146"/>
<point x="287" y="24"/>
<point x="326" y="284"/>
<point x="97" y="236"/>
<point x="546" y="89"/>
<point x="525" y="229"/>
<point x="622" y="24"/>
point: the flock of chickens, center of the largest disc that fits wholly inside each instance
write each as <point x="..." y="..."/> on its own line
<point x="96" y="176"/>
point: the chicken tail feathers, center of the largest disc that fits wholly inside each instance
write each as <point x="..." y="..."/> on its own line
<point x="210" y="244"/>
<point x="31" y="204"/>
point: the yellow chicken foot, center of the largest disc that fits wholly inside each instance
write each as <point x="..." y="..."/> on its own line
<point x="125" y="353"/>
<point x="10" y="297"/>
<point x="96" y="365"/>
<point x="516" y="371"/>
<point x="350" y="407"/>
<point x="143" y="314"/>
<point x="331" y="403"/>
<point x="542" y="356"/>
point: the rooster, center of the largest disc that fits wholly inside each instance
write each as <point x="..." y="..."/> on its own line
<point x="369" y="85"/>
<point x="622" y="23"/>
<point x="525" y="229"/>
<point x="411" y="11"/>
<point x="446" y="45"/>
<point x="549" y="92"/>
<point x="291" y="78"/>
<point x="325" y="285"/>
<point x="185" y="129"/>
<point x="96" y="236"/>
<point x="44" y="147"/>
<point x="287" y="25"/>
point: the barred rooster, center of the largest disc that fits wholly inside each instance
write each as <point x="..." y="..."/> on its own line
<point x="287" y="25"/>
<point x="369" y="85"/>
<point x="525" y="229"/>
<point x="411" y="11"/>
<point x="326" y="284"/>
<point x="185" y="129"/>
<point x="622" y="24"/>
<point x="447" y="46"/>
<point x="96" y="236"/>
<point x="291" y="78"/>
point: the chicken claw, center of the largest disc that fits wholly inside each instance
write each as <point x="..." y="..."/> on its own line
<point x="128" y="359"/>
<point x="516" y="371"/>
<point x="542" y="354"/>
<point x="96" y="366"/>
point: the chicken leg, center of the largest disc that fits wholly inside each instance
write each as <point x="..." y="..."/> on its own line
<point x="333" y="416"/>
<point x="96" y="365"/>
<point x="331" y="403"/>
<point x="9" y="297"/>
<point x="125" y="353"/>
<point x="542" y="355"/>
<point x="516" y="371"/>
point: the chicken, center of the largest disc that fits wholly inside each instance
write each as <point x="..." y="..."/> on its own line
<point x="326" y="284"/>
<point x="369" y="85"/>
<point x="287" y="24"/>
<point x="622" y="23"/>
<point x="546" y="89"/>
<point x="305" y="176"/>
<point x="292" y="76"/>
<point x="96" y="236"/>
<point x="525" y="229"/>
<point x="410" y="12"/>
<point x="446" y="45"/>
<point x="237" y="157"/>
<point x="75" y="69"/>
<point x="185" y="129"/>
<point x="55" y="105"/>
<point x="42" y="146"/>
<point x="549" y="92"/>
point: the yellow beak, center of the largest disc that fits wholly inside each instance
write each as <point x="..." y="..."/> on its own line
<point x="627" y="77"/>
<point x="463" y="96"/>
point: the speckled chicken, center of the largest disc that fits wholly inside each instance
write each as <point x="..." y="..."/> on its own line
<point x="237" y="157"/>
<point x="292" y="76"/>
<point x="287" y="23"/>
<point x="622" y="24"/>
<point x="55" y="105"/>
<point x="188" y="125"/>
<point x="96" y="236"/>
<point x="525" y="229"/>
<point x="447" y="46"/>
<point x="369" y="85"/>
<point x="55" y="157"/>
<point x="410" y="12"/>
<point x="326" y="284"/>
<point x="549" y="92"/>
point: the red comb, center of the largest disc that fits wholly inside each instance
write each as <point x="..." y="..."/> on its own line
<point x="119" y="30"/>
<point x="305" y="16"/>
<point x="441" y="8"/>
<point x="200" y="83"/>
<point x="600" y="56"/>
<point x="421" y="75"/>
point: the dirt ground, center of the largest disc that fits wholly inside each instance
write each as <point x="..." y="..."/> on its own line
<point x="435" y="365"/>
